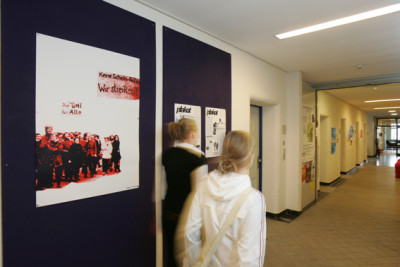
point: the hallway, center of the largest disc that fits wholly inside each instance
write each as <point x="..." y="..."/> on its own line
<point x="356" y="223"/>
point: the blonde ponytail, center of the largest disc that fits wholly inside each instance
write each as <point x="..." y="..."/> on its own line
<point x="237" y="152"/>
<point x="178" y="131"/>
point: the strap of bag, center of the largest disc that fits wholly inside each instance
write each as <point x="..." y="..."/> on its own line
<point x="209" y="248"/>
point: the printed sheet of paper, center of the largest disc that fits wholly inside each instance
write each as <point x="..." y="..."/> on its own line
<point x="215" y="131"/>
<point x="191" y="112"/>
<point x="308" y="149"/>
<point x="308" y="121"/>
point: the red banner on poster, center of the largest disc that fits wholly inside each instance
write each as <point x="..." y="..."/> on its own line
<point x="118" y="86"/>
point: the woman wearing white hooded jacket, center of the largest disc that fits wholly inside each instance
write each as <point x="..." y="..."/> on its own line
<point x="244" y="242"/>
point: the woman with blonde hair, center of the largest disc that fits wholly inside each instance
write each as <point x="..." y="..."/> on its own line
<point x="182" y="162"/>
<point x="232" y="213"/>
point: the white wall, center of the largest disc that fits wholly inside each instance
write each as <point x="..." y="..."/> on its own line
<point x="265" y="85"/>
<point x="354" y="152"/>
<point x="371" y="135"/>
<point x="293" y="141"/>
<point x="273" y="169"/>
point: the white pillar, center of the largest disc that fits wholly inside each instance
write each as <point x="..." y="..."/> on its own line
<point x="293" y="141"/>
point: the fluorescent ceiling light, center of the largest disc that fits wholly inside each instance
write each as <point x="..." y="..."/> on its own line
<point x="388" y="108"/>
<point x="394" y="114"/>
<point x="381" y="100"/>
<point x="391" y="111"/>
<point x="341" y="21"/>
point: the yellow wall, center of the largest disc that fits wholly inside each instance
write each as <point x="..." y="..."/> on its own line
<point x="334" y="113"/>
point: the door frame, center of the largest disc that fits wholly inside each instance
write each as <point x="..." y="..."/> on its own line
<point x="397" y="119"/>
<point x="260" y="152"/>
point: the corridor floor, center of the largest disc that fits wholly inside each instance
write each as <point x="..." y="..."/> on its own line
<point x="355" y="224"/>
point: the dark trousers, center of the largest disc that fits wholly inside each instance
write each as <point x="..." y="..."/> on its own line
<point x="45" y="176"/>
<point x="170" y="222"/>
<point x="67" y="169"/>
<point x="75" y="171"/>
<point x="89" y="162"/>
<point x="106" y="165"/>
<point x="58" y="172"/>
<point x="92" y="164"/>
<point x="116" y="165"/>
<point x="85" y="165"/>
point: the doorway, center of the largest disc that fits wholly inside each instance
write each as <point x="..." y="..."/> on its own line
<point x="256" y="134"/>
<point x="388" y="136"/>
<point x="342" y="142"/>
<point x="398" y="138"/>
<point x="324" y="152"/>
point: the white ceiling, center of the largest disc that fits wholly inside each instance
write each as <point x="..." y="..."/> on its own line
<point x="357" y="95"/>
<point x="323" y="57"/>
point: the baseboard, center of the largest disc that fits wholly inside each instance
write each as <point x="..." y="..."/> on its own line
<point x="350" y="171"/>
<point x="361" y="164"/>
<point x="330" y="183"/>
<point x="285" y="216"/>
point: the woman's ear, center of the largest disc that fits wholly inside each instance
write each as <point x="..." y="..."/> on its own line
<point x="251" y="158"/>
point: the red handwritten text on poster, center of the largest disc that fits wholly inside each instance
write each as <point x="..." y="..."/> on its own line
<point x="118" y="86"/>
<point x="72" y="108"/>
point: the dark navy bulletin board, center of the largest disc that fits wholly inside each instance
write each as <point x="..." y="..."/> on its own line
<point x="111" y="230"/>
<point x="194" y="73"/>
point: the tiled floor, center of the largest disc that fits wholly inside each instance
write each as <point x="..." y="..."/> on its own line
<point x="356" y="224"/>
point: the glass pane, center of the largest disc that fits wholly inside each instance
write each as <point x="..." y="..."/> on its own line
<point x="386" y="122"/>
<point x="398" y="138"/>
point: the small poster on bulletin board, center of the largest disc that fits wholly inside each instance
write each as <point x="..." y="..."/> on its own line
<point x="215" y="131"/>
<point x="191" y="112"/>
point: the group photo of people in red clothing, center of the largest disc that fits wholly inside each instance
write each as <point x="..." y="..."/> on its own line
<point x="65" y="157"/>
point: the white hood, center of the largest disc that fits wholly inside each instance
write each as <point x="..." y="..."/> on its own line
<point x="243" y="244"/>
<point x="224" y="187"/>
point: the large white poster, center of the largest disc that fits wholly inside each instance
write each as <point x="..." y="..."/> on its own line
<point x="308" y="122"/>
<point x="191" y="112"/>
<point x="87" y="121"/>
<point x="215" y="131"/>
<point x="308" y="151"/>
